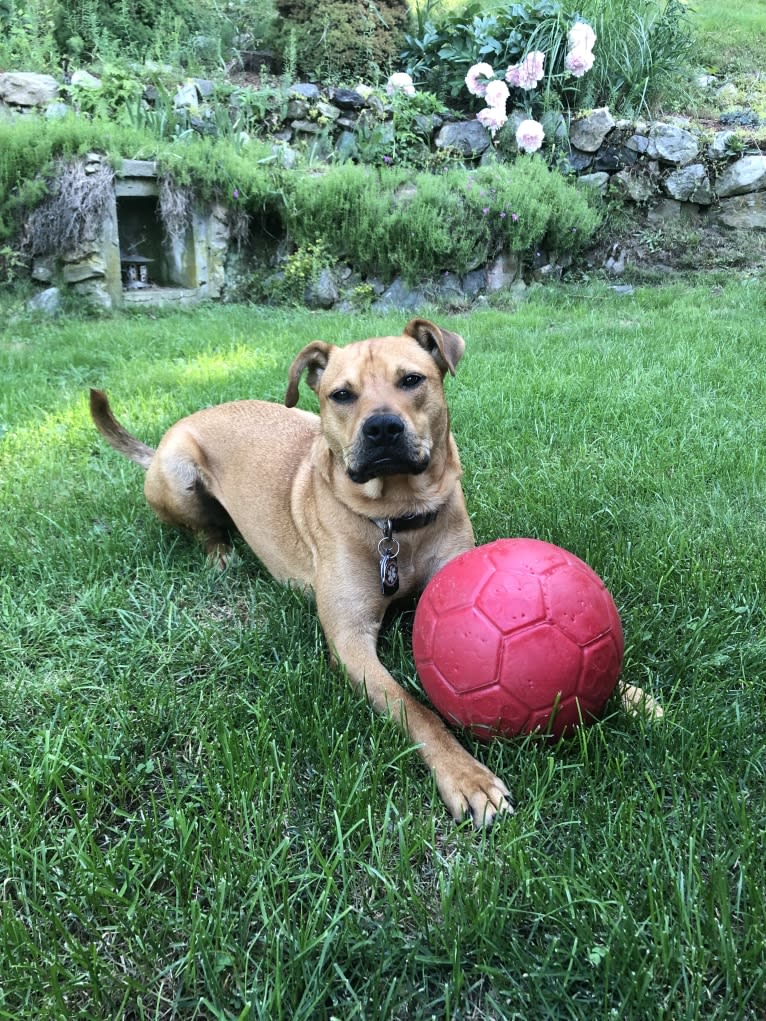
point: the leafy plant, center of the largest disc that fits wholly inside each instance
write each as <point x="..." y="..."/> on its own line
<point x="642" y="50"/>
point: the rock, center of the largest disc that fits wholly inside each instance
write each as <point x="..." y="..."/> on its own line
<point x="55" y="111"/>
<point x="727" y="92"/>
<point x="347" y="99"/>
<point x="297" y="109"/>
<point x="286" y="157"/>
<point x="48" y="302"/>
<point x="610" y="158"/>
<point x="746" y="212"/>
<point x="720" y="146"/>
<point x="691" y="184"/>
<point x="85" y="80"/>
<point x="588" y="133"/>
<point x="136" y="168"/>
<point x="186" y="98"/>
<point x="304" y="90"/>
<point x="615" y="262"/>
<point x="746" y="175"/>
<point x="332" y="113"/>
<point x="578" y="161"/>
<point x="636" y="186"/>
<point x="85" y="269"/>
<point x="599" y="181"/>
<point x="21" y="88"/>
<point x="322" y="292"/>
<point x="449" y="291"/>
<point x="400" y="296"/>
<point x="473" y="283"/>
<point x="638" y="143"/>
<point x="501" y="273"/>
<point x="672" y="144"/>
<point x="205" y="87"/>
<point x="470" y="138"/>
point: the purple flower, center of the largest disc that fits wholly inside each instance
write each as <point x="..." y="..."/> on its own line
<point x="485" y="210"/>
<point x="235" y="193"/>
<point x="503" y="215"/>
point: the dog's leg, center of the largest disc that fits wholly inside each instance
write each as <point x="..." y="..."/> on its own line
<point x="177" y="491"/>
<point x="467" y="787"/>
<point x="636" y="701"/>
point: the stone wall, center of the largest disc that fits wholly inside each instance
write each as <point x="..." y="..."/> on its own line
<point x="672" y="169"/>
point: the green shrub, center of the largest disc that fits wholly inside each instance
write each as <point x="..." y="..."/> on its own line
<point x="389" y="222"/>
<point x="344" y="39"/>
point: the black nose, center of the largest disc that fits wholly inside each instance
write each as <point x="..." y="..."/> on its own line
<point x="383" y="429"/>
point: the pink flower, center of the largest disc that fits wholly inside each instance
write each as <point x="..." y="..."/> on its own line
<point x="496" y="94"/>
<point x="400" y="82"/>
<point x="529" y="136"/>
<point x="492" y="117"/>
<point x="531" y="69"/>
<point x="512" y="76"/>
<point x="581" y="35"/>
<point x="477" y="78"/>
<point x="578" y="61"/>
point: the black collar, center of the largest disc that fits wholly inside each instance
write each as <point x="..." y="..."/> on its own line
<point x="407" y="522"/>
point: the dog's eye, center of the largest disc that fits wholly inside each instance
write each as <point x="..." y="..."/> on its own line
<point x="342" y="396"/>
<point x="411" y="381"/>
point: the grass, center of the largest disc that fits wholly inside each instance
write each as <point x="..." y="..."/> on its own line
<point x="731" y="33"/>
<point x="198" y="819"/>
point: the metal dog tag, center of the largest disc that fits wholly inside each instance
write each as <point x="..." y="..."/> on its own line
<point x="388" y="549"/>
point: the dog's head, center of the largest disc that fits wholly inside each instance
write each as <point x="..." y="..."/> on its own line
<point x="382" y="400"/>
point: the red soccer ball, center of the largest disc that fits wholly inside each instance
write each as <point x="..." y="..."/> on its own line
<point x="517" y="636"/>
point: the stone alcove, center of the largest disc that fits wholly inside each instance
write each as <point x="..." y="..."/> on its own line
<point x="130" y="258"/>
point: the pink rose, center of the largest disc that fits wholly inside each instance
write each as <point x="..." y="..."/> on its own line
<point x="531" y="69"/>
<point x="492" y="117"/>
<point x="529" y="136"/>
<point x="400" y="82"/>
<point x="496" y="94"/>
<point x="512" y="76"/>
<point x="478" y="78"/>
<point x="581" y="35"/>
<point x="578" y="61"/>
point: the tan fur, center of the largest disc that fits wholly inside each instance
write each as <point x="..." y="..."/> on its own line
<point x="307" y="494"/>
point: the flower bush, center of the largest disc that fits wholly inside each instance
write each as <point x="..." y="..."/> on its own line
<point x="525" y="76"/>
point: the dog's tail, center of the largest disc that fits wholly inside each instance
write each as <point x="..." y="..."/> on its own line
<point x="115" y="434"/>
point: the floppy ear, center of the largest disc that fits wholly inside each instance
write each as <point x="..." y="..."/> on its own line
<point x="444" y="347"/>
<point x="313" y="358"/>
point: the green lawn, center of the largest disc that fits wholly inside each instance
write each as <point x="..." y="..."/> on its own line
<point x="732" y="33"/>
<point x="198" y="819"/>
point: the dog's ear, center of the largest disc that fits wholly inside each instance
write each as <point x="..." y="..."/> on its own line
<point x="313" y="359"/>
<point x="444" y="347"/>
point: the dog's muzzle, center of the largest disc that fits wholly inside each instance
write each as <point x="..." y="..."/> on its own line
<point x="383" y="447"/>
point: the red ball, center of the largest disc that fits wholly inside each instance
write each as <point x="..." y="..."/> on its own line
<point x="517" y="636"/>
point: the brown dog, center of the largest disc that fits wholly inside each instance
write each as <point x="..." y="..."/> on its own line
<point x="358" y="504"/>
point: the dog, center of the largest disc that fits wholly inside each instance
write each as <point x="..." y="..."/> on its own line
<point x="361" y="504"/>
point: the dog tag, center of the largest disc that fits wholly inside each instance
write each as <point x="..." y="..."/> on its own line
<point x="388" y="549"/>
<point x="389" y="574"/>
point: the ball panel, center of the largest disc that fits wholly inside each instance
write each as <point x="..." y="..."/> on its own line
<point x="512" y="600"/>
<point x="455" y="585"/>
<point x="601" y="662"/>
<point x="531" y="555"/>
<point x="568" y="714"/>
<point x="577" y="604"/>
<point x="466" y="649"/>
<point x="540" y="665"/>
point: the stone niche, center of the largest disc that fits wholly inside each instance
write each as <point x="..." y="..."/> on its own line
<point x="129" y="257"/>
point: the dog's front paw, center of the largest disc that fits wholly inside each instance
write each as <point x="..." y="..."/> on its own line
<point x="471" y="791"/>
